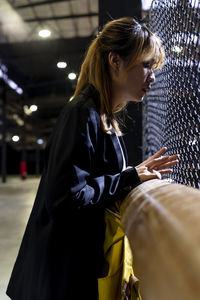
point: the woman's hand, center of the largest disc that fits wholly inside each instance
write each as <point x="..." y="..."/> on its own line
<point x="156" y="165"/>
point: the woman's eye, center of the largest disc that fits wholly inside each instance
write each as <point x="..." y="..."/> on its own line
<point x="146" y="65"/>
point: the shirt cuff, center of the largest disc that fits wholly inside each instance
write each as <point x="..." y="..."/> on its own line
<point x="129" y="180"/>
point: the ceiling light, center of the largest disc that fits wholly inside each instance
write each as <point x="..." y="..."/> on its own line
<point x="44" y="33"/>
<point x="18" y="120"/>
<point x="4" y="68"/>
<point x="15" y="138"/>
<point x="40" y="141"/>
<point x="27" y="110"/>
<point x="61" y="64"/>
<point x="72" y="76"/>
<point x="33" y="107"/>
<point x="19" y="91"/>
<point x="12" y="84"/>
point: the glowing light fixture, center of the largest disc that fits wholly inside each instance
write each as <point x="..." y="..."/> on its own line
<point x="40" y="141"/>
<point x="33" y="107"/>
<point x="44" y="33"/>
<point x="72" y="76"/>
<point x="10" y="82"/>
<point x="61" y="64"/>
<point x="15" y="138"/>
<point x="19" y="91"/>
<point x="27" y="110"/>
<point x="18" y="120"/>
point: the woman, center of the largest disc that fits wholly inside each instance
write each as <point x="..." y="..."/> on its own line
<point x="61" y="256"/>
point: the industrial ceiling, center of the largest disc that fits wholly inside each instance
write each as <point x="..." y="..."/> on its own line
<point x="28" y="63"/>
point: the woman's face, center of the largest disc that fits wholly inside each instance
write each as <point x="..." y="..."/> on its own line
<point x="132" y="85"/>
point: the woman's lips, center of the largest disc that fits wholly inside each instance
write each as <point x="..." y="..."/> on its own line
<point x="146" y="89"/>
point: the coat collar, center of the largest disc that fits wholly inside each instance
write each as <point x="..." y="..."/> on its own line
<point x="90" y="91"/>
<point x="116" y="140"/>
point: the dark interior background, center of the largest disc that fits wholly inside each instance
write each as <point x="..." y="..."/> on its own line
<point x="31" y="63"/>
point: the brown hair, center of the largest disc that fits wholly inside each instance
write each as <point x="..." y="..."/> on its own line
<point x="131" y="41"/>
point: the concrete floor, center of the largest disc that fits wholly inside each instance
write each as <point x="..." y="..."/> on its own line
<point x="16" y="200"/>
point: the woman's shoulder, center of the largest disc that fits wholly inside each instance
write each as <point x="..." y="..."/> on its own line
<point x="79" y="115"/>
<point x="86" y="105"/>
<point x="88" y="98"/>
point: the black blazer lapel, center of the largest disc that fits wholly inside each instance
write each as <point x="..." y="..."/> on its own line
<point x="124" y="149"/>
<point x="117" y="149"/>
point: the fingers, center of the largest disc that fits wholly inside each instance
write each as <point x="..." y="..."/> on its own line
<point x="159" y="153"/>
<point x="157" y="165"/>
<point x="168" y="165"/>
<point x="156" y="155"/>
<point x="147" y="173"/>
<point x="163" y="162"/>
<point x="165" y="171"/>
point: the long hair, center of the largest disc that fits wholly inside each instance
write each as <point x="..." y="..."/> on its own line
<point x="132" y="42"/>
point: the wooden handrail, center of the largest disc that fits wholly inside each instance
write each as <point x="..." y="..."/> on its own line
<point x="162" y="222"/>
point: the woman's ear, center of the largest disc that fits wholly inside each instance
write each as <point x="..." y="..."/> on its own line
<point x="114" y="61"/>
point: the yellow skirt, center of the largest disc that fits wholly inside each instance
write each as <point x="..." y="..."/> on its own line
<point x="118" y="281"/>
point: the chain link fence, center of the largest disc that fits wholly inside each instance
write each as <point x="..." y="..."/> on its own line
<point x="172" y="108"/>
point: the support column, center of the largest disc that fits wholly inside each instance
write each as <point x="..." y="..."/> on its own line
<point x="37" y="169"/>
<point x="4" y="125"/>
<point x="109" y="10"/>
<point x="23" y="162"/>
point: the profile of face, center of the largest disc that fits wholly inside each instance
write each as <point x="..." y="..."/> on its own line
<point x="129" y="84"/>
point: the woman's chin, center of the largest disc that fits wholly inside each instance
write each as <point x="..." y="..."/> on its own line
<point x="137" y="99"/>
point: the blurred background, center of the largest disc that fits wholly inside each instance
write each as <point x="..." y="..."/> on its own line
<point x="42" y="45"/>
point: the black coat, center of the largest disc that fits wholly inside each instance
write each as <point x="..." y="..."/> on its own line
<point x="61" y="255"/>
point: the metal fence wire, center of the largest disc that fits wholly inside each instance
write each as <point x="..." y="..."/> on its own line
<point x="171" y="111"/>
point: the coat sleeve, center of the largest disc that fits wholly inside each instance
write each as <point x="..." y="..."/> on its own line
<point x="71" y="161"/>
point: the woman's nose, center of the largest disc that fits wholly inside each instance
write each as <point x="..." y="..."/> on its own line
<point x="151" y="76"/>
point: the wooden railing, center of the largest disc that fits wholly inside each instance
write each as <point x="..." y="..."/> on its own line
<point x="162" y="222"/>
